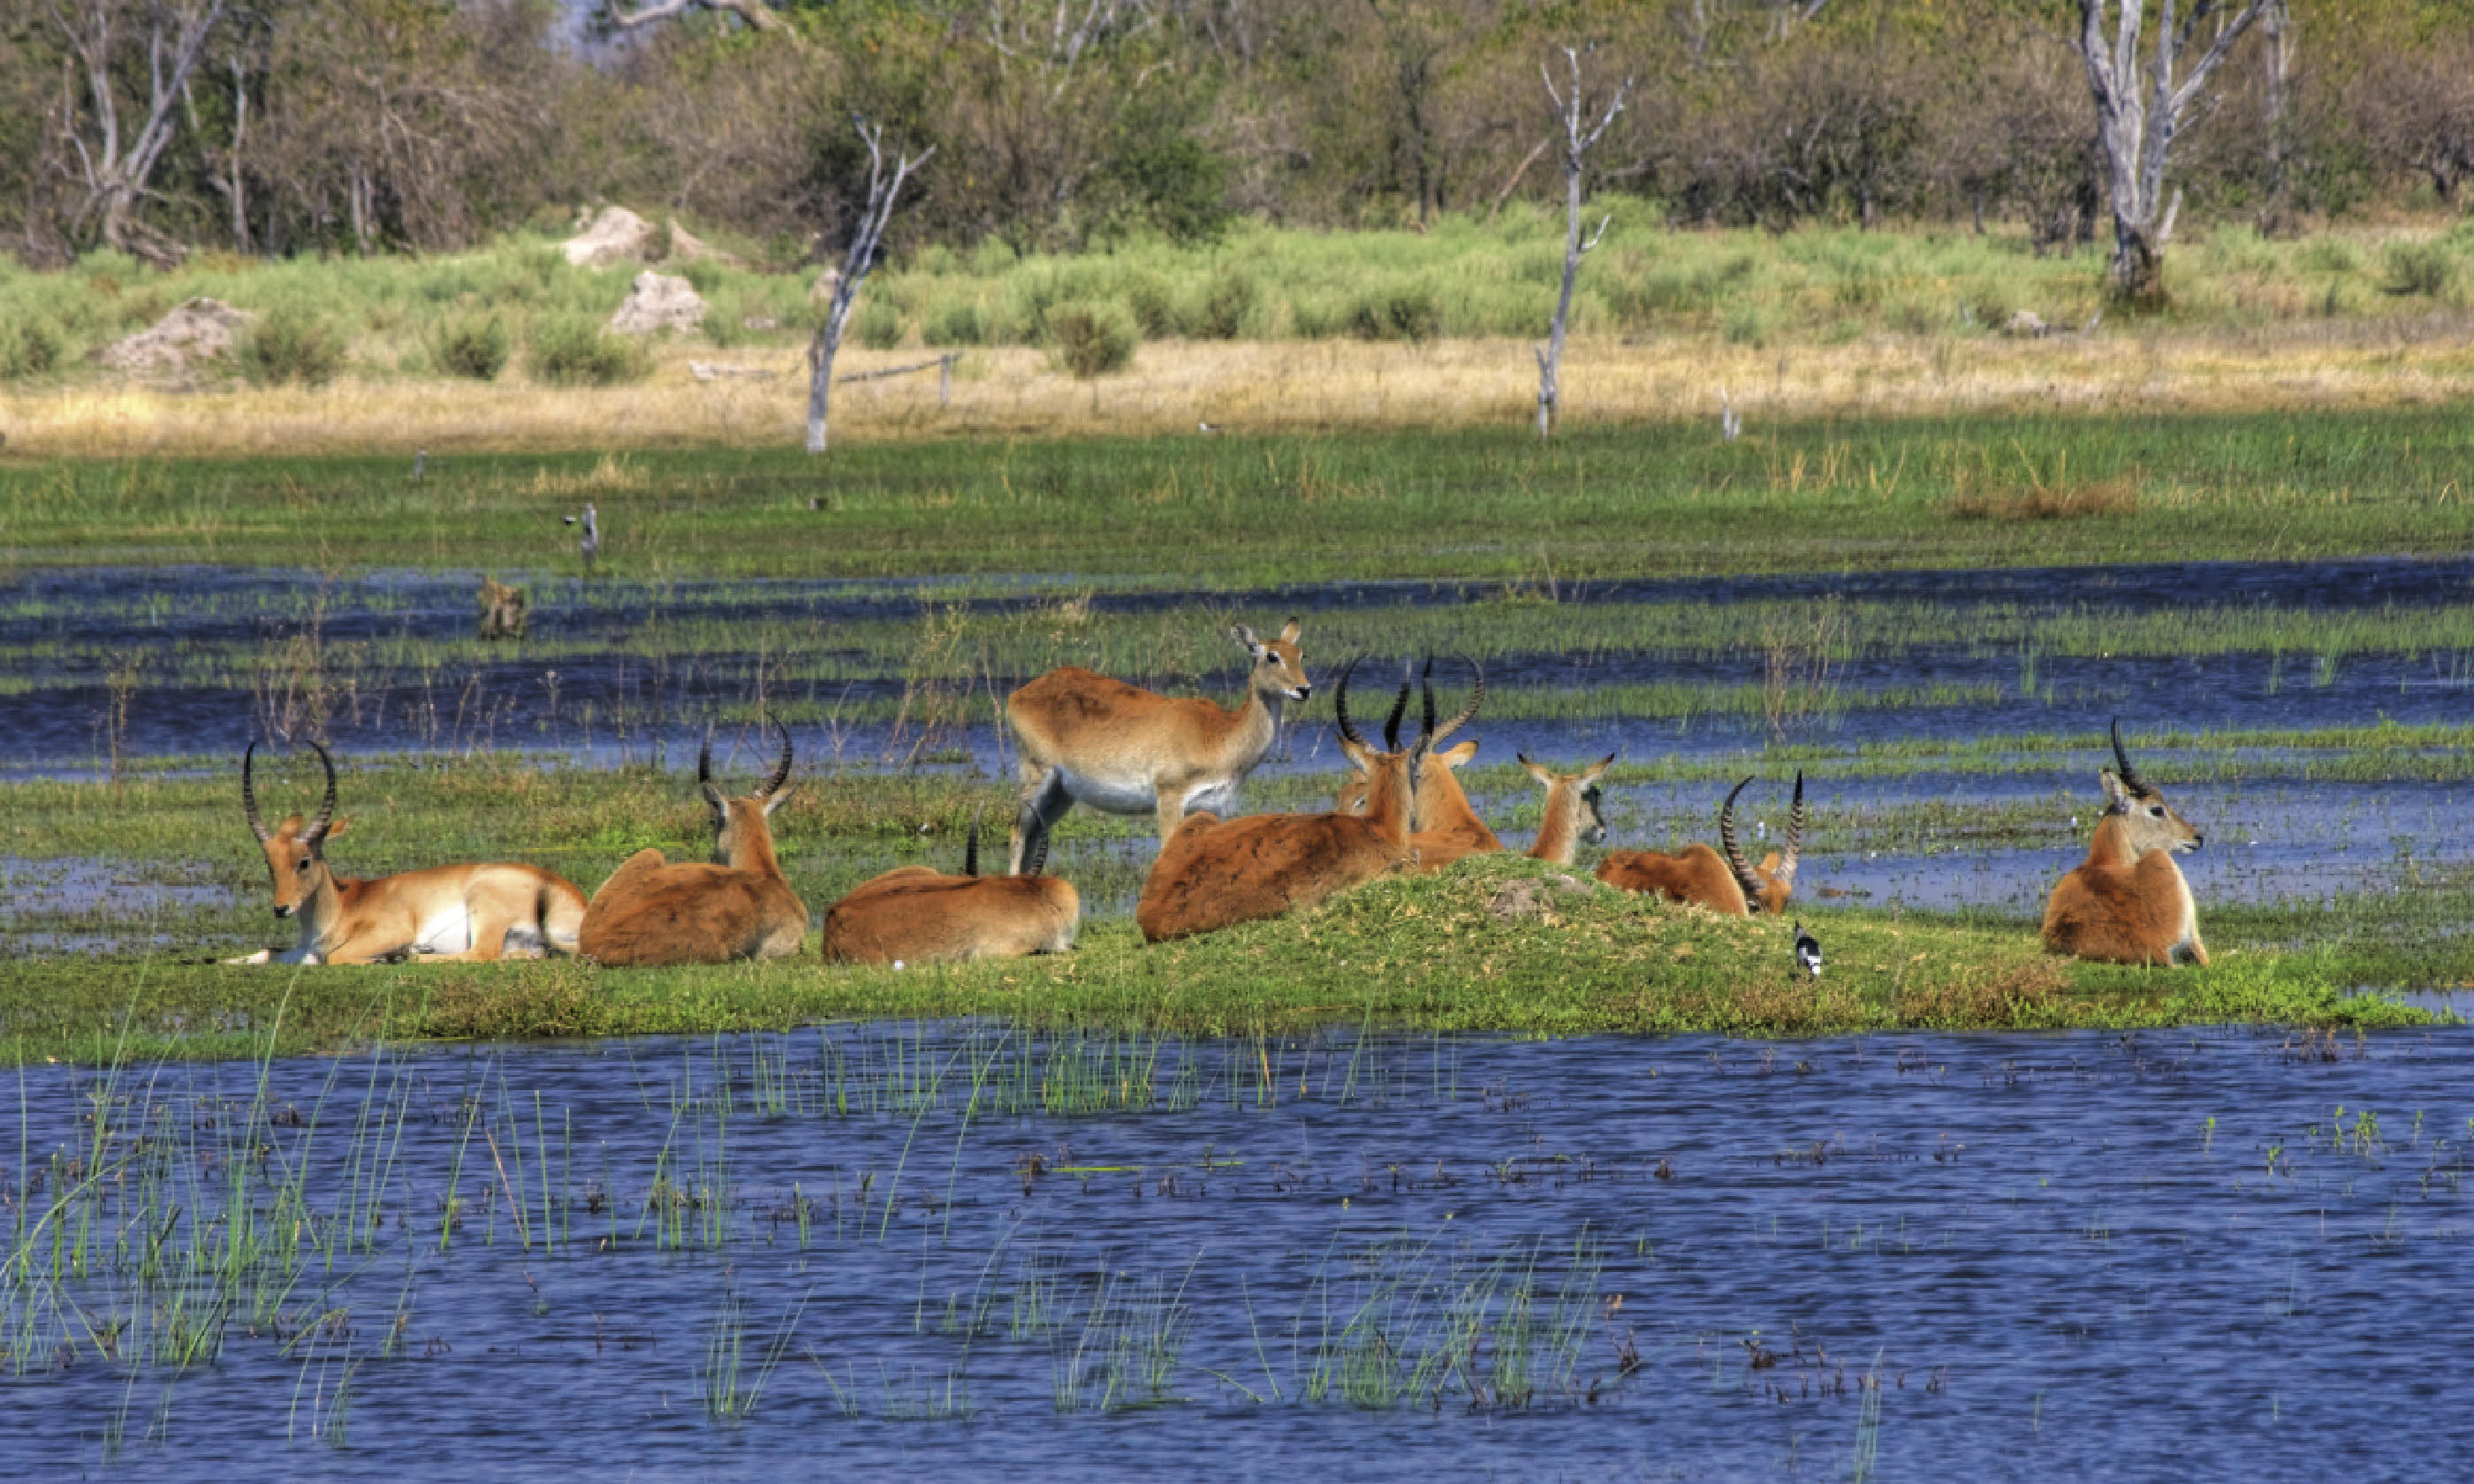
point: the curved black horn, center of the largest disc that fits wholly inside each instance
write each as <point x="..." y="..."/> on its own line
<point x="249" y="795"/>
<point x="971" y="846"/>
<point x="1794" y="832"/>
<point x="1744" y="877"/>
<point x="1468" y="712"/>
<point x="1340" y="706"/>
<point x="1426" y="686"/>
<point x="2130" y="779"/>
<point x="317" y="829"/>
<point x="704" y="771"/>
<point x="1399" y="708"/>
<point x="782" y="768"/>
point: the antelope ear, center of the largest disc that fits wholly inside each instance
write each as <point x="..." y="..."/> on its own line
<point x="291" y="826"/>
<point x="1597" y="769"/>
<point x="773" y="801"/>
<point x="1537" y="771"/>
<point x="1770" y="864"/>
<point x="2117" y="798"/>
<point x="1289" y="635"/>
<point x="336" y="827"/>
<point x="1454" y="756"/>
<point x="1246" y="637"/>
<point x="1358" y="757"/>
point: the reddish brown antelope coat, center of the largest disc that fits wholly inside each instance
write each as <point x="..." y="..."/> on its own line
<point x="2128" y="903"/>
<point x="651" y="912"/>
<point x="442" y="913"/>
<point x="1723" y="884"/>
<point x="1572" y="815"/>
<point x="914" y="915"/>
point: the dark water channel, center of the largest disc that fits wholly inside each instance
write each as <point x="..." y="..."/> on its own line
<point x="2223" y="1254"/>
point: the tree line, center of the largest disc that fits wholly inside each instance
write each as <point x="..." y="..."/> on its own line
<point x="159" y="127"/>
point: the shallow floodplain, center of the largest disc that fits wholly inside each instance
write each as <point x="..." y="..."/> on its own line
<point x="1901" y="1256"/>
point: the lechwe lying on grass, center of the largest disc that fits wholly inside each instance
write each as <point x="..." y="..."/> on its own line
<point x="1698" y="874"/>
<point x="650" y="911"/>
<point x="1449" y="829"/>
<point x="1571" y="814"/>
<point x="1213" y="875"/>
<point x="915" y="915"/>
<point x="1121" y="750"/>
<point x="443" y="913"/>
<point x="2128" y="903"/>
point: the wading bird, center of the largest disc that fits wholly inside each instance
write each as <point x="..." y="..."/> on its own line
<point x="1808" y="952"/>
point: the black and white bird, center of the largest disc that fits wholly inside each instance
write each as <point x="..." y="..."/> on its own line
<point x="590" y="544"/>
<point x="1808" y="952"/>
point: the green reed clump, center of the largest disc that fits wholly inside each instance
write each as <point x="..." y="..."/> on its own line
<point x="575" y="350"/>
<point x="291" y="345"/>
<point x="1091" y="340"/>
<point x="474" y="347"/>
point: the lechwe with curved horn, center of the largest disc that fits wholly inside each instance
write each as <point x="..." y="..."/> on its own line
<point x="1213" y="875"/>
<point x="1723" y="884"/>
<point x="441" y="913"/>
<point x="1572" y="810"/>
<point x="916" y="914"/>
<point x="1121" y="750"/>
<point x="737" y="906"/>
<point x="2128" y="903"/>
<point x="1449" y="829"/>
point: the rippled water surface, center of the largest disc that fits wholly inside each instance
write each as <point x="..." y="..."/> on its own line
<point x="2235" y="1254"/>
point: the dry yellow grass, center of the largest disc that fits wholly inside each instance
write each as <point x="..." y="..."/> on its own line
<point x="1285" y="385"/>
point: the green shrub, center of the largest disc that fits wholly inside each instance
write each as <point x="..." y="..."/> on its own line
<point x="954" y="322"/>
<point x="291" y="345"/>
<point x="2331" y="255"/>
<point x="880" y="325"/>
<point x="1092" y="339"/>
<point x="474" y="346"/>
<point x="1155" y="310"/>
<point x="2419" y="267"/>
<point x="1226" y="308"/>
<point x="572" y="351"/>
<point x="29" y="347"/>
<point x="1398" y="312"/>
<point x="703" y="274"/>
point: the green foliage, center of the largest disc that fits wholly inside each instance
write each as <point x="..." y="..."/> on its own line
<point x="953" y="320"/>
<point x="1157" y="311"/>
<point x="29" y="346"/>
<point x="290" y="345"/>
<point x="2424" y="268"/>
<point x="1168" y="183"/>
<point x="474" y="347"/>
<point x="1091" y="340"/>
<point x="572" y="351"/>
<point x="1228" y="307"/>
<point x="879" y="323"/>
<point x="1403" y="311"/>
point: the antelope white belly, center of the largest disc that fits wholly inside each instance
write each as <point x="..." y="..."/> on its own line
<point x="448" y="932"/>
<point x="1220" y="799"/>
<point x="1111" y="796"/>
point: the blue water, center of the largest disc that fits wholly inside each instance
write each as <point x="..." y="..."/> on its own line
<point x="2078" y="1255"/>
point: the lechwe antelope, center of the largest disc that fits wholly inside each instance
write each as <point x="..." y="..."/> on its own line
<point x="1122" y="749"/>
<point x="1723" y="884"/>
<point x="1213" y="875"/>
<point x="1571" y="816"/>
<point x="1449" y="829"/>
<point x="2128" y="903"/>
<point x="442" y="913"/>
<point x="915" y="915"/>
<point x="737" y="906"/>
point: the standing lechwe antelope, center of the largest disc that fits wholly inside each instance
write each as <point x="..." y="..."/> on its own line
<point x="1213" y="875"/>
<point x="1121" y="750"/>
<point x="2128" y="903"/>
<point x="1448" y="827"/>
<point x="916" y="914"/>
<point x="1572" y="810"/>
<point x="441" y="913"/>
<point x="1724" y="884"/>
<point x="738" y="906"/>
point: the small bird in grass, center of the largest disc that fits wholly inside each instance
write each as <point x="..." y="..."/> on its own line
<point x="1207" y="427"/>
<point x="1807" y="951"/>
<point x="590" y="547"/>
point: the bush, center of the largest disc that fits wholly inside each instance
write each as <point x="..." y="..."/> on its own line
<point x="29" y="347"/>
<point x="2419" y="267"/>
<point x="474" y="347"/>
<point x="1226" y="308"/>
<point x="954" y="322"/>
<point x="1155" y="311"/>
<point x="1092" y="339"/>
<point x="289" y="345"/>
<point x="1396" y="313"/>
<point x="570" y="350"/>
<point x="879" y="323"/>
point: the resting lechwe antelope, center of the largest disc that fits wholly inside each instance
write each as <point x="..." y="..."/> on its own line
<point x="2128" y="903"/>
<point x="441" y="913"/>
<point x="1724" y="884"/>
<point x="1121" y="750"/>
<point x="737" y="906"/>
<point x="1571" y="814"/>
<point x="1213" y="874"/>
<point x="916" y="914"/>
<point x="1448" y="827"/>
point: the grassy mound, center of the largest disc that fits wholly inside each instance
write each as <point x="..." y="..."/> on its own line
<point x="1499" y="945"/>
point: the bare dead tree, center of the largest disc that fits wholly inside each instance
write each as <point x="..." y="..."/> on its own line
<point x="2282" y="39"/>
<point x="117" y="166"/>
<point x="856" y="261"/>
<point x="758" y="16"/>
<point x="1576" y="150"/>
<point x="2138" y="119"/>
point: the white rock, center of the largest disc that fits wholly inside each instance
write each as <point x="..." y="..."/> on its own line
<point x="659" y="301"/>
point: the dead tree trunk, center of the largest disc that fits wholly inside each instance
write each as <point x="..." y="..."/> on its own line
<point x="2137" y="120"/>
<point x="2280" y="36"/>
<point x="117" y="171"/>
<point x="882" y="189"/>
<point x="1576" y="149"/>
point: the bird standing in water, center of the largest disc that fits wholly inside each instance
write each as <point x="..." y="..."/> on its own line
<point x="1807" y="951"/>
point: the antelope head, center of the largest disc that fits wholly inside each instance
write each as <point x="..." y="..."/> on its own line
<point x="2146" y="821"/>
<point x="1278" y="672"/>
<point x="1451" y="757"/>
<point x="1573" y="798"/>
<point x="295" y="853"/>
<point x="1767" y="889"/>
<point x="742" y="838"/>
<point x="1392" y="773"/>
